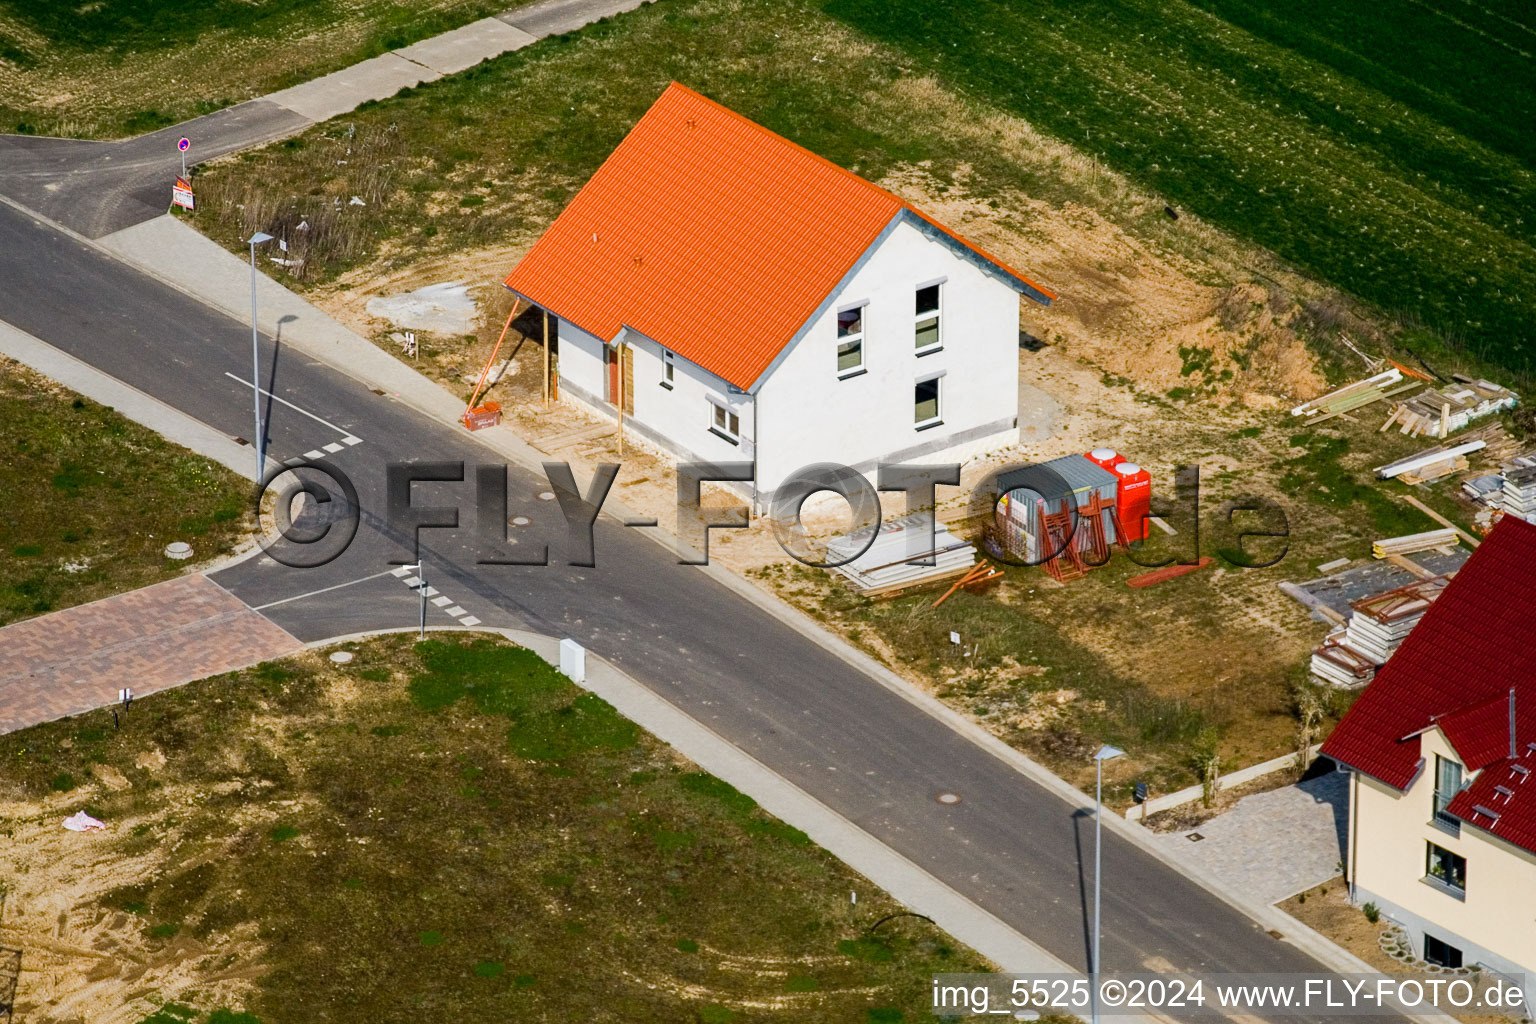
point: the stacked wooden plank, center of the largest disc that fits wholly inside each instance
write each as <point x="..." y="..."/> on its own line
<point x="1354" y="396"/>
<point x="1430" y="462"/>
<point x="1518" y="497"/>
<point x="1440" y="412"/>
<point x="892" y="563"/>
<point x="1427" y="541"/>
<point x="1378" y="624"/>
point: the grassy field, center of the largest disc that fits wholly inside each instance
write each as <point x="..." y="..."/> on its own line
<point x="1382" y="147"/>
<point x="439" y="830"/>
<point x="91" y="500"/>
<point x="121" y="67"/>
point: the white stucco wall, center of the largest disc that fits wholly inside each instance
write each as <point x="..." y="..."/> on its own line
<point x="806" y="414"/>
<point x="1388" y="847"/>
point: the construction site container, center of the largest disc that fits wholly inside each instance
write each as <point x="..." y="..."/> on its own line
<point x="1133" y="501"/>
<point x="1022" y="502"/>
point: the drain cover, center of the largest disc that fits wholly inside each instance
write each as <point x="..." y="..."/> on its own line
<point x="1194" y="837"/>
<point x="341" y="657"/>
<point x="949" y="798"/>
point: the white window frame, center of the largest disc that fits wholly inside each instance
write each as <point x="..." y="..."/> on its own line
<point x="936" y="314"/>
<point x="937" y="379"/>
<point x="668" y="368"/>
<point x="851" y="339"/>
<point x="719" y="411"/>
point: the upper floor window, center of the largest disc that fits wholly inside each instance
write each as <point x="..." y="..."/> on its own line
<point x="925" y="331"/>
<point x="1447" y="785"/>
<point x="668" y="368"/>
<point x="724" y="422"/>
<point x="1446" y="870"/>
<point x="850" y="341"/>
<point x="926" y="408"/>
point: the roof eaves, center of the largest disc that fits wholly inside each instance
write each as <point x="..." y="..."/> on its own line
<point x="825" y="303"/>
<point x="977" y="255"/>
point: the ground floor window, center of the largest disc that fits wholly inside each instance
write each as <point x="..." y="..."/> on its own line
<point x="1438" y="951"/>
<point x="725" y="423"/>
<point x="925" y="402"/>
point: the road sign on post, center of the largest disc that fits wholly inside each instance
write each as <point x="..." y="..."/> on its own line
<point x="183" y="144"/>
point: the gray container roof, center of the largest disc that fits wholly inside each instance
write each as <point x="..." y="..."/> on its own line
<point x="1073" y="474"/>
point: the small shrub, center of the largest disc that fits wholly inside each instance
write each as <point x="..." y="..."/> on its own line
<point x="1372" y="912"/>
<point x="431" y="938"/>
<point x="489" y="969"/>
<point x="687" y="945"/>
<point x="63" y="782"/>
<point x="283" y="833"/>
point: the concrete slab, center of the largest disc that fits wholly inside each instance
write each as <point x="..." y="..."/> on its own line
<point x="1239" y="849"/>
<point x="465" y="47"/>
<point x="341" y="91"/>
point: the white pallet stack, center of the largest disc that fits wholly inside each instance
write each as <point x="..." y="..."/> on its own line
<point x="1519" y="494"/>
<point x="1377" y="626"/>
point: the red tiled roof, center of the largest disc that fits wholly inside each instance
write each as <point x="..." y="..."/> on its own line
<point x="1502" y="800"/>
<point x="1455" y="670"/>
<point x="712" y="236"/>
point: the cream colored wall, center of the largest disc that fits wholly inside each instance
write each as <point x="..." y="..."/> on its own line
<point x="1392" y="828"/>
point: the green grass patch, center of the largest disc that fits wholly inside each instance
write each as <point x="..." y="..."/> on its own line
<point x="1374" y="145"/>
<point x="91" y="499"/>
<point x="512" y="900"/>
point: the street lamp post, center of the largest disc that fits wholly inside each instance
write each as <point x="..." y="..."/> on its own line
<point x="261" y="447"/>
<point x="1106" y="753"/>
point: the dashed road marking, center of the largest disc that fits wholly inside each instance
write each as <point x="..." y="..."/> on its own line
<point x="438" y="600"/>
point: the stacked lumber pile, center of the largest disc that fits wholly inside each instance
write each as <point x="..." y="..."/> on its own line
<point x="1518" y="497"/>
<point x="1429" y="541"/>
<point x="1440" y="412"/>
<point x="1377" y="627"/>
<point x="890" y="565"/>
<point x="1354" y="396"/>
<point x="1431" y="464"/>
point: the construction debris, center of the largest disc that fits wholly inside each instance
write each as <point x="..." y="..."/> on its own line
<point x="1431" y="465"/>
<point x="1440" y="412"/>
<point x="1414" y="542"/>
<point x="892" y="564"/>
<point x="1354" y="396"/>
<point x="1349" y="657"/>
<point x="1153" y="578"/>
<point x="981" y="573"/>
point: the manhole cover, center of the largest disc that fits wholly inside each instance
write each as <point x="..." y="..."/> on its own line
<point x="1194" y="837"/>
<point x="341" y="657"/>
<point x="178" y="550"/>
<point x="519" y="520"/>
<point x="546" y="495"/>
<point x="949" y="798"/>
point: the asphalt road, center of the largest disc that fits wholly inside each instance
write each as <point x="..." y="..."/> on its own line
<point x="1010" y="845"/>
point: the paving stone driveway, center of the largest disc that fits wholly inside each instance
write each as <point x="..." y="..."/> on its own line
<point x="161" y="636"/>
<point x="1272" y="845"/>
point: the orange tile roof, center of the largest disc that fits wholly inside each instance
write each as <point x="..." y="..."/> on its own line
<point x="712" y="236"/>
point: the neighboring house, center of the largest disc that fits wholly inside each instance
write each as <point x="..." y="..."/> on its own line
<point x="1442" y="817"/>
<point x="745" y="299"/>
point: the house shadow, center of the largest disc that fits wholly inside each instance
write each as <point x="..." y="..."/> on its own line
<point x="1031" y="343"/>
<point x="1325" y="784"/>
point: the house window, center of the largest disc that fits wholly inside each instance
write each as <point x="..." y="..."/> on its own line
<point x="725" y="423"/>
<point x="850" y="341"/>
<point x="1438" y="951"/>
<point x="1446" y="870"/>
<point x="926" y="329"/>
<point x="926" y="409"/>
<point x="1447" y="785"/>
<point x="668" y="369"/>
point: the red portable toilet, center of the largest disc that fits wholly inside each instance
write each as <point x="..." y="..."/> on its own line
<point x="1133" y="500"/>
<point x="1106" y="458"/>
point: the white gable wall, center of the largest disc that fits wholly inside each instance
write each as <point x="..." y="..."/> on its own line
<point x="806" y="414"/>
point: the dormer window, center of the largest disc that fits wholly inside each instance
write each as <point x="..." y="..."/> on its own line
<point x="1448" y="777"/>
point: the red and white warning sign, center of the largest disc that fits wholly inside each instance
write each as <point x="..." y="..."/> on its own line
<point x="181" y="195"/>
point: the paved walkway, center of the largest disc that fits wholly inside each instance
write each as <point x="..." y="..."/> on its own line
<point x="171" y="633"/>
<point x="1271" y="845"/>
